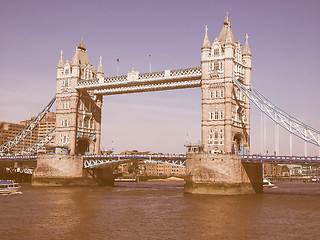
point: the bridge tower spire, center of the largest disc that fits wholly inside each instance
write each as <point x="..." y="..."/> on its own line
<point x="60" y="65"/>
<point x="100" y="72"/>
<point x="205" y="54"/>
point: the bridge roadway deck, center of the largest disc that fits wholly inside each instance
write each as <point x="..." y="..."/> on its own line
<point x="145" y="82"/>
<point x="173" y="159"/>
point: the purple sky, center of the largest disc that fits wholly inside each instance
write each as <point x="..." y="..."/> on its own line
<point x="283" y="37"/>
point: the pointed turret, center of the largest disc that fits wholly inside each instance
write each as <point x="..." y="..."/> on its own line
<point x="224" y="32"/>
<point x="226" y="20"/>
<point x="205" y="55"/>
<point x="80" y="57"/>
<point x="246" y="50"/>
<point x="246" y="57"/>
<point x="75" y="64"/>
<point x="60" y="66"/>
<point x="100" y="72"/>
<point x="206" y="41"/>
<point x="61" y="63"/>
<point x="229" y="39"/>
<point x="81" y="45"/>
<point x="75" y="59"/>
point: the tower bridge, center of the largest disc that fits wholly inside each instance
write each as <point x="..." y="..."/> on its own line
<point x="224" y="165"/>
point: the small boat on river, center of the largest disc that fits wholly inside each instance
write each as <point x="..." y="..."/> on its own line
<point x="268" y="184"/>
<point x="9" y="187"/>
<point x="120" y="179"/>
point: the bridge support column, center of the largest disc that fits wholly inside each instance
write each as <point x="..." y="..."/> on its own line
<point x="221" y="174"/>
<point x="60" y="170"/>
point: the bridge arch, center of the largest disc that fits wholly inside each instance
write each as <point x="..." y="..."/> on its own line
<point x="84" y="145"/>
<point x="238" y="142"/>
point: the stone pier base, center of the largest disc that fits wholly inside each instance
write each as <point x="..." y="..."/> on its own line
<point x="60" y="170"/>
<point x="221" y="174"/>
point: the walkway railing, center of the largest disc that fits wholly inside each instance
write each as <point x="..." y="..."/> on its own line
<point x="155" y="81"/>
<point x="90" y="161"/>
<point x="95" y="160"/>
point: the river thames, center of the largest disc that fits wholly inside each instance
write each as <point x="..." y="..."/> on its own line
<point x="157" y="210"/>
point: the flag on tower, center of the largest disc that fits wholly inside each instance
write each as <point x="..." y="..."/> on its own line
<point x="118" y="60"/>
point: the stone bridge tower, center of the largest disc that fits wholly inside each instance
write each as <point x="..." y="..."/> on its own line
<point x="78" y="113"/>
<point x="225" y="110"/>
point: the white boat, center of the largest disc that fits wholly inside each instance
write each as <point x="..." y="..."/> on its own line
<point x="268" y="184"/>
<point x="9" y="187"/>
<point x="125" y="179"/>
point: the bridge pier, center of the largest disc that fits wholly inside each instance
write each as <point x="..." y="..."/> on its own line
<point x="103" y="176"/>
<point x="60" y="170"/>
<point x="221" y="174"/>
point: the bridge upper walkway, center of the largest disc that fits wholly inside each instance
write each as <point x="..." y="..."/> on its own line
<point x="145" y="82"/>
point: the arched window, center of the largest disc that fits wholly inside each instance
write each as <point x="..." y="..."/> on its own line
<point x="216" y="115"/>
<point x="216" y="66"/>
<point x="86" y="122"/>
<point x="91" y="123"/>
<point x="216" y="52"/>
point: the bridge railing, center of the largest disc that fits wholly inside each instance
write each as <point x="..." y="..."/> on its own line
<point x="298" y="160"/>
<point x="96" y="160"/>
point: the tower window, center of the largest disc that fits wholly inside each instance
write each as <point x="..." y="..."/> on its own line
<point x="216" y="66"/>
<point x="216" y="115"/>
<point x="216" y="52"/>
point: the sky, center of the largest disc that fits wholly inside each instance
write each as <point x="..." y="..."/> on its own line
<point x="283" y="37"/>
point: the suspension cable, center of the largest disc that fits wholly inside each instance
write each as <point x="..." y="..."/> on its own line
<point x="6" y="147"/>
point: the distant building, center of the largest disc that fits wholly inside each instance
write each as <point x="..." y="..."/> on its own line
<point x="161" y="169"/>
<point x="281" y="170"/>
<point x="10" y="130"/>
<point x="272" y="170"/>
<point x="148" y="168"/>
<point x="194" y="148"/>
<point x="46" y="125"/>
<point x="304" y="170"/>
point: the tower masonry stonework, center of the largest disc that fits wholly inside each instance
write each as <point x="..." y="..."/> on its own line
<point x="78" y="124"/>
<point x="78" y="117"/>
<point x="225" y="110"/>
<point x="225" y="128"/>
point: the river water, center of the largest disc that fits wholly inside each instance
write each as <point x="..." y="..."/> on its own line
<point x="156" y="210"/>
